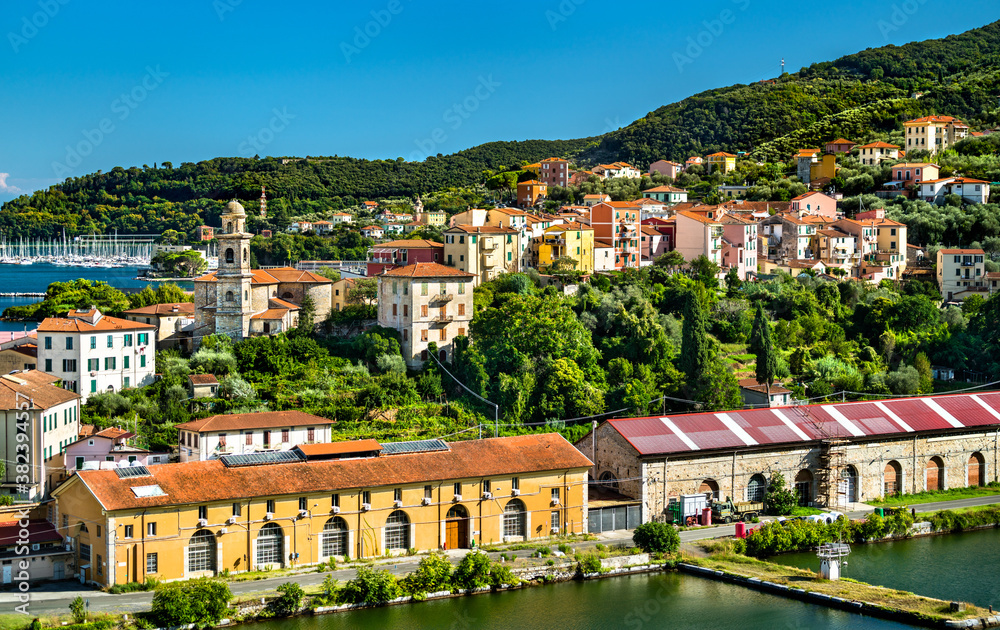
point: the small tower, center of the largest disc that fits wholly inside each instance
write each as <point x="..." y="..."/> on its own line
<point x="233" y="299"/>
<point x="263" y="203"/>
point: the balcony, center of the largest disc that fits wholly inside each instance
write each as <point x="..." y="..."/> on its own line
<point x="489" y="245"/>
<point x="443" y="297"/>
<point x="443" y="319"/>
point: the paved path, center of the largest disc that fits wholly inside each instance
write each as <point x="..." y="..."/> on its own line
<point x="55" y="597"/>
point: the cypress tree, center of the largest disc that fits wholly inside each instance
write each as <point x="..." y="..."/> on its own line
<point x="763" y="347"/>
<point x="695" y="354"/>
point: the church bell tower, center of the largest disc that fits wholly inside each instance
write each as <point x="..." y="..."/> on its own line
<point x="233" y="296"/>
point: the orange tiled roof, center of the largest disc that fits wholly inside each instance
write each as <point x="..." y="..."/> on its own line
<point x="879" y="145"/>
<point x="961" y="251"/>
<point x="210" y="481"/>
<point x="274" y="276"/>
<point x="664" y="189"/>
<point x="841" y="141"/>
<point x="426" y="270"/>
<point x="74" y="324"/>
<point x="35" y="386"/>
<point x="697" y="216"/>
<point x="934" y="119"/>
<point x="203" y="379"/>
<point x="176" y="308"/>
<point x="416" y="243"/>
<point x="259" y="420"/>
<point x="271" y="313"/>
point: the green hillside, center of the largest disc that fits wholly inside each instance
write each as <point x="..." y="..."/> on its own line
<point x="862" y="96"/>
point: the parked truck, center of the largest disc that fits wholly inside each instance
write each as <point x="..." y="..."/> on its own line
<point x="686" y="509"/>
<point x="727" y="511"/>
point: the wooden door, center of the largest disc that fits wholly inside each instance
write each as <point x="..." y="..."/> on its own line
<point x="451" y="534"/>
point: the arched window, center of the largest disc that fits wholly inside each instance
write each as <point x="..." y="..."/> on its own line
<point x="514" y="519"/>
<point x="270" y="545"/>
<point x="849" y="484"/>
<point x="803" y="486"/>
<point x="333" y="541"/>
<point x="457" y="511"/>
<point x="935" y="474"/>
<point x="397" y="531"/>
<point x="287" y="295"/>
<point x="608" y="480"/>
<point x="977" y="470"/>
<point x="229" y="228"/>
<point x="230" y="256"/>
<point x="893" y="478"/>
<point x="710" y="485"/>
<point x="229" y="296"/>
<point x="756" y="488"/>
<point x="245" y="255"/>
<point x="201" y="552"/>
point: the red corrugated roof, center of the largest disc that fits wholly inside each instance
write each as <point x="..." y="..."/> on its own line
<point x="786" y="425"/>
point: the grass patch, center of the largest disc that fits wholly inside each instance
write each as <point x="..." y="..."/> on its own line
<point x="935" y="495"/>
<point x="805" y="511"/>
<point x="743" y="358"/>
<point x="847" y="589"/>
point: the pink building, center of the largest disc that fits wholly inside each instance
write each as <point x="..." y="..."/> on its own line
<point x="840" y="145"/>
<point x="405" y="252"/>
<point x="815" y="203"/>
<point x="618" y="222"/>
<point x="108" y="448"/>
<point x="653" y="242"/>
<point x="739" y="245"/>
<point x="665" y="168"/>
<point x="554" y="172"/>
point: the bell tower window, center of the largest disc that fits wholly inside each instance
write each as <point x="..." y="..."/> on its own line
<point x="229" y="296"/>
<point x="230" y="255"/>
<point x="229" y="227"/>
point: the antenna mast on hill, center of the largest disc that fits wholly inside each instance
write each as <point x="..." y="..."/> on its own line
<point x="782" y="66"/>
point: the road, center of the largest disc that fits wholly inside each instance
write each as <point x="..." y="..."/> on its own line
<point x="54" y="598"/>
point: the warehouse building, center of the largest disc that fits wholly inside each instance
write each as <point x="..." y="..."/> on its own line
<point x="317" y="503"/>
<point x="833" y="455"/>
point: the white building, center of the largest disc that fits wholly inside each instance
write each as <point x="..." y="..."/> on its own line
<point x="34" y="405"/>
<point x="243" y="433"/>
<point x="970" y="190"/>
<point x="961" y="273"/>
<point x="92" y="353"/>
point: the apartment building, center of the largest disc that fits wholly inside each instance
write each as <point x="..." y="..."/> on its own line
<point x="566" y="241"/>
<point x="531" y="193"/>
<point x="34" y="404"/>
<point x="666" y="194"/>
<point x="554" y="172"/>
<point x="936" y="191"/>
<point x="912" y="173"/>
<point x="360" y="499"/>
<point x="619" y="222"/>
<point x="242" y="433"/>
<point x="170" y="321"/>
<point x="961" y="273"/>
<point x="723" y="161"/>
<point x="739" y="245"/>
<point x="665" y="168"/>
<point x="403" y="252"/>
<point x="93" y="353"/>
<point x="880" y="241"/>
<point x="815" y="203"/>
<point x="875" y="153"/>
<point x="934" y="133"/>
<point x="485" y="251"/>
<point x="699" y="234"/>
<point x="426" y="302"/>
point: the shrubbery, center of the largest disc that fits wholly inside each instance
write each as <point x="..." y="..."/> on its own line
<point x="197" y="601"/>
<point x="774" y="538"/>
<point x="371" y="586"/>
<point x="656" y="538"/>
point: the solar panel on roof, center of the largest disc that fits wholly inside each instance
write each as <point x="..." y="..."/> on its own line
<point x="261" y="459"/>
<point x="132" y="471"/>
<point x="415" y="446"/>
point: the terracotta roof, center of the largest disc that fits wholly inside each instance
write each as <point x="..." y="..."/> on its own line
<point x="753" y="384"/>
<point x="27" y="349"/>
<point x="809" y="194"/>
<point x="37" y="386"/>
<point x="113" y="433"/>
<point x="531" y="182"/>
<point x="961" y="251"/>
<point x="86" y="430"/>
<point x="426" y="270"/>
<point x="697" y="216"/>
<point x="271" y="313"/>
<point x="339" y="448"/>
<point x="274" y="276"/>
<point x="841" y="141"/>
<point x="914" y="165"/>
<point x="554" y="160"/>
<point x="174" y="308"/>
<point x="483" y="229"/>
<point x="279" y="303"/>
<point x="596" y="197"/>
<point x="879" y="145"/>
<point x="74" y="324"/>
<point x="955" y="180"/>
<point x="664" y="189"/>
<point x="721" y="154"/>
<point x="39" y="531"/>
<point x="210" y="481"/>
<point x="203" y="379"/>
<point x="259" y="420"/>
<point x="934" y="119"/>
<point x="649" y="229"/>
<point x="602" y="242"/>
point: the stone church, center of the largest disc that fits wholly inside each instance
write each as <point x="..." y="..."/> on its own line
<point x="241" y="302"/>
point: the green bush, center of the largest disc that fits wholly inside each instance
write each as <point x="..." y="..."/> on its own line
<point x="290" y="600"/>
<point x="197" y="601"/>
<point x="473" y="571"/>
<point x="589" y="563"/>
<point x="501" y="575"/>
<point x="78" y="609"/>
<point x="134" y="587"/>
<point x="433" y="574"/>
<point x="543" y="551"/>
<point x="655" y="537"/>
<point x="371" y="586"/>
<point x="563" y="547"/>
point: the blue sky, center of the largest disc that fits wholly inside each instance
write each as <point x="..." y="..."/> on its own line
<point x="87" y="86"/>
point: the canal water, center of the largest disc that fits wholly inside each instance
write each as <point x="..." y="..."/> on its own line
<point x="36" y="279"/>
<point x="962" y="567"/>
<point x="654" y="601"/>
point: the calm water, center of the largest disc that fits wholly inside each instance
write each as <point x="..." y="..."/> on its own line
<point x="653" y="601"/>
<point x="36" y="279"/>
<point x="955" y="567"/>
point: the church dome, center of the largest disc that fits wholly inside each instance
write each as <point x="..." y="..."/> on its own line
<point x="235" y="207"/>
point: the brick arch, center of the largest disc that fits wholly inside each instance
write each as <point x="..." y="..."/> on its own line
<point x="977" y="470"/>
<point x="934" y="474"/>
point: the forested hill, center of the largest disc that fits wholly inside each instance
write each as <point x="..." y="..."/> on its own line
<point x="864" y="96"/>
<point x="151" y="200"/>
<point x="958" y="76"/>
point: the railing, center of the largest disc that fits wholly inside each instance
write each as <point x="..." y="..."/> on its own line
<point x="489" y="245"/>
<point x="443" y="297"/>
<point x="443" y="319"/>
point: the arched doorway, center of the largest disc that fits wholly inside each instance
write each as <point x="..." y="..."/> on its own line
<point x="804" y="486"/>
<point x="456" y="528"/>
<point x="443" y="356"/>
<point x="892" y="482"/>
<point x="333" y="540"/>
<point x="934" y="474"/>
<point x="977" y="470"/>
<point x="397" y="531"/>
<point x="849" y="484"/>
<point x="608" y="480"/>
<point x="201" y="552"/>
<point x="514" y="520"/>
<point x="270" y="546"/>
<point x="756" y="488"/>
<point x="710" y="486"/>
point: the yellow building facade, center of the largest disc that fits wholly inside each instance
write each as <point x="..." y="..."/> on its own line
<point x="568" y="240"/>
<point x="183" y="521"/>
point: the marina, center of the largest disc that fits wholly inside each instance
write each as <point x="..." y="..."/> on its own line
<point x="88" y="251"/>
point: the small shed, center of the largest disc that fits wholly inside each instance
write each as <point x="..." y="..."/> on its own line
<point x="203" y="386"/>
